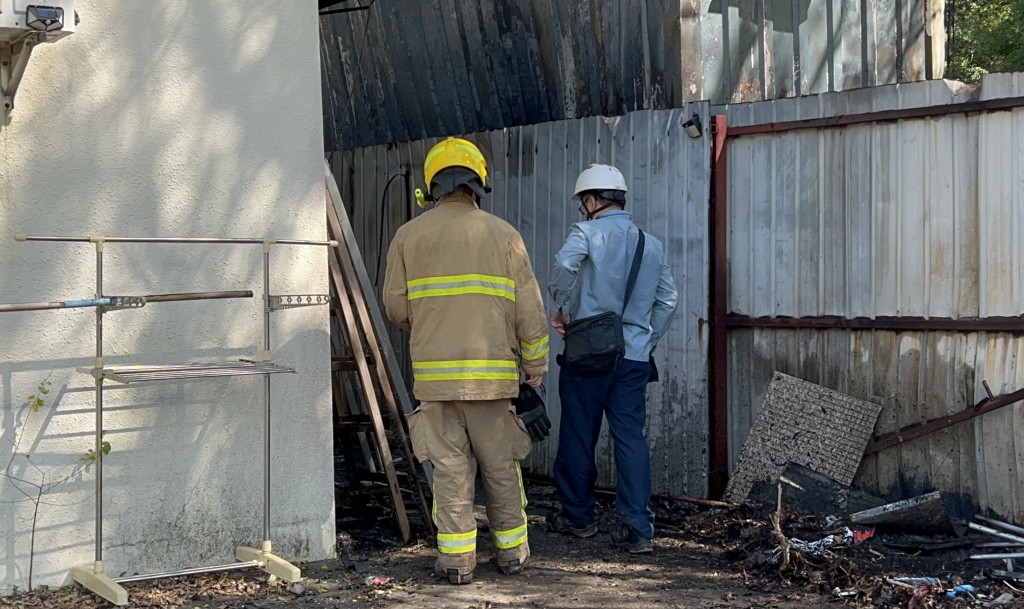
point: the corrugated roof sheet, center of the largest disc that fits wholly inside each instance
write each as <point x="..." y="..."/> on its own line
<point x="412" y="69"/>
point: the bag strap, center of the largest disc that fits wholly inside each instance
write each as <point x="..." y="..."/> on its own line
<point x="634" y="271"/>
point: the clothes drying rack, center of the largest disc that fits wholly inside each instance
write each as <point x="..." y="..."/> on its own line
<point x="92" y="576"/>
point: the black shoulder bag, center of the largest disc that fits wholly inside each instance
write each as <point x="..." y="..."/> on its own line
<point x="595" y="345"/>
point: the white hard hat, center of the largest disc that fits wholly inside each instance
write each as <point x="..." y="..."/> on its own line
<point x="599" y="177"/>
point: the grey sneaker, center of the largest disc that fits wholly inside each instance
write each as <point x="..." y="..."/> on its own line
<point x="624" y="537"/>
<point x="560" y="523"/>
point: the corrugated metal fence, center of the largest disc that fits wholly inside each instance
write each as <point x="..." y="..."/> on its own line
<point x="916" y="218"/>
<point x="411" y="69"/>
<point x="533" y="170"/>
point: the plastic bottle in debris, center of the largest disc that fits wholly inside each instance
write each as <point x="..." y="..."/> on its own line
<point x="961" y="590"/>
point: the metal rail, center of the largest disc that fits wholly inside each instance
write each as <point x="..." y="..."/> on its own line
<point x="121" y="301"/>
<point x="222" y="240"/>
<point x="56" y="304"/>
<point x="905" y="435"/>
<point x="169" y="372"/>
<point x="92" y="576"/>
<point x="194" y="571"/>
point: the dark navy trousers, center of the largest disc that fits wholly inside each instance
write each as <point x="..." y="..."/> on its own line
<point x="620" y="396"/>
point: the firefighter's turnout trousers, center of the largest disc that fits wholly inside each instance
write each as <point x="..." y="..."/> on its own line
<point x="457" y="437"/>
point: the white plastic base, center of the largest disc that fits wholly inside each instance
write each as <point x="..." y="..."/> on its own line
<point x="264" y="559"/>
<point x="92" y="578"/>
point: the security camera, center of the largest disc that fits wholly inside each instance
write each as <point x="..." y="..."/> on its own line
<point x="692" y="127"/>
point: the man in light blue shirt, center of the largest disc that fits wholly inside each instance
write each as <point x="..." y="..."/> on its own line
<point x="589" y="278"/>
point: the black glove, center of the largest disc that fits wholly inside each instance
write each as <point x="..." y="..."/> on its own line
<point x="530" y="408"/>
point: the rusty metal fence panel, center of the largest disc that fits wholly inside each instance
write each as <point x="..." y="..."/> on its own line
<point x="919" y="218"/>
<point x="533" y="170"/>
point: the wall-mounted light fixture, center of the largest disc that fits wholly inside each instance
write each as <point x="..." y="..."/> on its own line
<point x="22" y="28"/>
<point x="693" y="127"/>
<point x="44" y="18"/>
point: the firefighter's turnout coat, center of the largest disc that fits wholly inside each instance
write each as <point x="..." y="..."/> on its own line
<point x="460" y="281"/>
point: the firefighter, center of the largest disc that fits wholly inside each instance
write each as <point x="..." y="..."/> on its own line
<point x="460" y="282"/>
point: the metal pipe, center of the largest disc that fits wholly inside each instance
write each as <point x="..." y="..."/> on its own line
<point x="266" y="395"/>
<point x="193" y="571"/>
<point x="197" y="296"/>
<point x="905" y="435"/>
<point x="718" y="465"/>
<point x="106" y="302"/>
<point x="224" y="240"/>
<point x="978" y="527"/>
<point x="997" y="556"/>
<point x="171" y="375"/>
<point x="98" y="447"/>
<point x="1002" y="525"/>
<point x="55" y="304"/>
<point x="242" y="364"/>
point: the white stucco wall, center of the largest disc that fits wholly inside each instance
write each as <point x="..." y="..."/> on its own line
<point x="166" y="118"/>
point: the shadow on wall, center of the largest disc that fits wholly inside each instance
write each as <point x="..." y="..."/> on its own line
<point x="169" y="117"/>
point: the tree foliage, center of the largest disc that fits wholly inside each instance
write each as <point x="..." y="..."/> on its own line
<point x="984" y="36"/>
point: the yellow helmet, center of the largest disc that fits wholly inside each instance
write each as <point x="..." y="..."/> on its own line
<point x="454" y="152"/>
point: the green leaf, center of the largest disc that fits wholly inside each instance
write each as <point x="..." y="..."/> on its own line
<point x="105" y="447"/>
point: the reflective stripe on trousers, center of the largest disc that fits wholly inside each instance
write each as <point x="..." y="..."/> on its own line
<point x="456" y="543"/>
<point x="515" y="537"/>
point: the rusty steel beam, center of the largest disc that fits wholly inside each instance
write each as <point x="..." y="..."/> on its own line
<point x="987" y="105"/>
<point x="1013" y="325"/>
<point x="718" y="427"/>
<point x="909" y="433"/>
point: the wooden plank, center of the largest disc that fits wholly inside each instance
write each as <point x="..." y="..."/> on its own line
<point x="371" y="398"/>
<point x="344" y="394"/>
<point x="347" y="237"/>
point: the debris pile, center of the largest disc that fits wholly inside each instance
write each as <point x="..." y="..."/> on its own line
<point x="801" y="522"/>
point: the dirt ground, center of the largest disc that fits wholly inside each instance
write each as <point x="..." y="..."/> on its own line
<point x="704" y="558"/>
